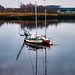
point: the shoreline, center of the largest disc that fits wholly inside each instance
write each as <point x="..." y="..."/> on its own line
<point x="31" y="16"/>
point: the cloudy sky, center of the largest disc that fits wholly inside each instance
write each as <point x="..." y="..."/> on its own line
<point x="14" y="3"/>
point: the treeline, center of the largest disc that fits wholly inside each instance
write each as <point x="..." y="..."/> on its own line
<point x="28" y="8"/>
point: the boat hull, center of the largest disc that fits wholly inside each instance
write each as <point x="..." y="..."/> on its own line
<point x="34" y="41"/>
<point x="46" y="41"/>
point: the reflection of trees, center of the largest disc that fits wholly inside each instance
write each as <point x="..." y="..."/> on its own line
<point x="40" y="24"/>
<point x="30" y="24"/>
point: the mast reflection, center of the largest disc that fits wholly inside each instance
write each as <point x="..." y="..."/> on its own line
<point x="35" y="47"/>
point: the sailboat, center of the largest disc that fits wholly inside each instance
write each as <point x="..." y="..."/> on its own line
<point x="33" y="38"/>
<point x="32" y="46"/>
<point x="45" y="39"/>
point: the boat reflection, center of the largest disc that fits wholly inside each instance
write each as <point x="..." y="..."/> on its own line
<point x="33" y="47"/>
<point x="36" y="47"/>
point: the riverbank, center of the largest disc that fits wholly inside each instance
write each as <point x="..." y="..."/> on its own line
<point x="31" y="16"/>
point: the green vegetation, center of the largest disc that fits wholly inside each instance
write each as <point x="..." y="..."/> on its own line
<point x="22" y="16"/>
<point x="27" y="12"/>
<point x="31" y="16"/>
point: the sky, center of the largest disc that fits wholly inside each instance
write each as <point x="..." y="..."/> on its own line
<point x="15" y="4"/>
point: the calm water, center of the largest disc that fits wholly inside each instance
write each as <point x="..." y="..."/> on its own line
<point x="18" y="58"/>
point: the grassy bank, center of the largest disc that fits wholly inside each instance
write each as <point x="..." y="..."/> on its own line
<point x="31" y="16"/>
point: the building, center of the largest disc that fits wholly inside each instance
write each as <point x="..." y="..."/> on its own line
<point x="54" y="6"/>
<point x="61" y="10"/>
<point x="66" y="10"/>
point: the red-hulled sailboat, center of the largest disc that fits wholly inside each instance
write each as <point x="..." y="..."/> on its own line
<point x="45" y="40"/>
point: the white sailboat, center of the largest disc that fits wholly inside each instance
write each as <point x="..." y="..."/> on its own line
<point x="34" y="38"/>
<point x="38" y="39"/>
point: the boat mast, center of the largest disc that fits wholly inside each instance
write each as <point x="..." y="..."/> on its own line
<point x="18" y="3"/>
<point x="20" y="51"/>
<point x="36" y="61"/>
<point x="45" y="17"/>
<point x="45" y="62"/>
<point x="36" y="17"/>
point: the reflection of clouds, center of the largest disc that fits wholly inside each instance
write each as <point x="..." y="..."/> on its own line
<point x="68" y="28"/>
<point x="60" y="61"/>
<point x="8" y="71"/>
<point x="61" y="66"/>
<point x="15" y="70"/>
<point x="63" y="61"/>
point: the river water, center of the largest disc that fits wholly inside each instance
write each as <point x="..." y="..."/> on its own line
<point x="19" y="58"/>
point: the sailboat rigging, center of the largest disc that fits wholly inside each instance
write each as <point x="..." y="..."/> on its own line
<point x="33" y="38"/>
<point x="45" y="39"/>
<point x="36" y="47"/>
